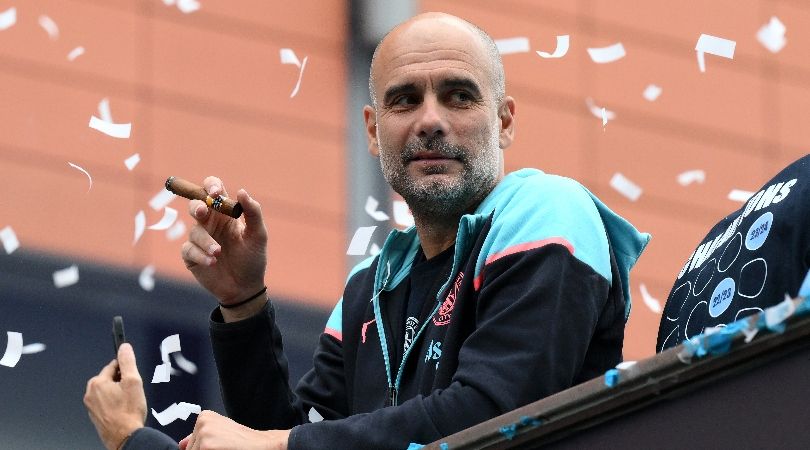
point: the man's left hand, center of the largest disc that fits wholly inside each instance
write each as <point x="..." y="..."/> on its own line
<point x="214" y="431"/>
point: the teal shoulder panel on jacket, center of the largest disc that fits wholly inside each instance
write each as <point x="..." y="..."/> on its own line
<point x="532" y="209"/>
<point x="334" y="325"/>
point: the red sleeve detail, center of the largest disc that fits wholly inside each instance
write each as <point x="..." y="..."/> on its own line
<point x="477" y="281"/>
<point x="334" y="333"/>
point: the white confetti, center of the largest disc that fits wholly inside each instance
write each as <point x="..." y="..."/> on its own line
<point x="8" y="18"/>
<point x="288" y="57"/>
<point x="66" y="277"/>
<point x="49" y="26"/>
<point x="161" y="199"/>
<point x="36" y="347"/>
<point x="176" y="231"/>
<point x="402" y="214"/>
<point x="116" y="130"/>
<point x="609" y="54"/>
<point x="563" y="43"/>
<point x="371" y="209"/>
<point x="314" y="415"/>
<point x="360" y="241"/>
<point x="649" y="300"/>
<point x="652" y="92"/>
<point x="188" y="6"/>
<point x="300" y="75"/>
<point x="104" y="110"/>
<point x="374" y="250"/>
<point x="512" y="45"/>
<point x="169" y="216"/>
<point x="89" y="178"/>
<point x="624" y="365"/>
<point x="132" y="161"/>
<point x="185" y="364"/>
<point x="713" y="45"/>
<point x="9" y="238"/>
<point x="75" y="53"/>
<point x="168" y="346"/>
<point x="147" y="278"/>
<point x="738" y="195"/>
<point x="691" y="176"/>
<point x="140" y="225"/>
<point x="772" y="35"/>
<point x="625" y="187"/>
<point x="13" y="351"/>
<point x="176" y="411"/>
<point x="600" y="112"/>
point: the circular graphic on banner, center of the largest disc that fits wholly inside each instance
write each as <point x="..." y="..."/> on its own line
<point x="759" y="231"/>
<point x="722" y="296"/>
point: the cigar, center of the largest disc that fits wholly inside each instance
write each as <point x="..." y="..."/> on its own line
<point x="191" y="191"/>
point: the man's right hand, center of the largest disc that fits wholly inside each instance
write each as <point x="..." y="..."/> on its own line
<point x="227" y="256"/>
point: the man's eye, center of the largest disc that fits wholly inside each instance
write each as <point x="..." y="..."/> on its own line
<point x="461" y="97"/>
<point x="404" y="100"/>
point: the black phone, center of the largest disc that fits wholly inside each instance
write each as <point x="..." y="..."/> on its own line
<point x="118" y="339"/>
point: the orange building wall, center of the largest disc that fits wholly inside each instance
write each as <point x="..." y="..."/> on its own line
<point x="206" y="94"/>
<point x="740" y="121"/>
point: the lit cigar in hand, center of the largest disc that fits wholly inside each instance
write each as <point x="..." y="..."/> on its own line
<point x="191" y="191"/>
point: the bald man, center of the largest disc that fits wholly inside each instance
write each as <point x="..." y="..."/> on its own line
<point x="508" y="288"/>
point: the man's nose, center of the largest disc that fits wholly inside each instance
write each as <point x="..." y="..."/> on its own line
<point x="432" y="121"/>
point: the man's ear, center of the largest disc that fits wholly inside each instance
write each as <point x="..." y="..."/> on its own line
<point x="370" y="118"/>
<point x="506" y="116"/>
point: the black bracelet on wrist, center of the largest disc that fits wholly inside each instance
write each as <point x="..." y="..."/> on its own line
<point x="252" y="297"/>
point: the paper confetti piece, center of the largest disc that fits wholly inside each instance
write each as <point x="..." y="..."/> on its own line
<point x="185" y="364"/>
<point x="36" y="347"/>
<point x="9" y="238"/>
<point x="49" y="26"/>
<point x="772" y="35"/>
<point x="713" y="45"/>
<point x="8" y="18"/>
<point x="168" y="346"/>
<point x="371" y="209"/>
<point x="624" y="365"/>
<point x="402" y="214"/>
<point x="75" y="53"/>
<point x="169" y="216"/>
<point x="140" y="225"/>
<point x="314" y="415"/>
<point x="13" y="349"/>
<point x="89" y="178"/>
<point x="176" y="411"/>
<point x="738" y="195"/>
<point x="652" y="92"/>
<point x="609" y="54"/>
<point x="132" y="161"/>
<point x="600" y="112"/>
<point x="116" y="130"/>
<point x="188" y="6"/>
<point x="691" y="176"/>
<point x="176" y="231"/>
<point x="288" y="57"/>
<point x="66" y="277"/>
<point x="104" y="110"/>
<point x="374" y="250"/>
<point x="300" y="75"/>
<point x="625" y="187"/>
<point x="161" y="199"/>
<point x="562" y="48"/>
<point x="360" y="241"/>
<point x="512" y="45"/>
<point x="147" y="278"/>
<point x="649" y="300"/>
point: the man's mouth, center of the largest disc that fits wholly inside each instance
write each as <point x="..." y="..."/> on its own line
<point x="430" y="156"/>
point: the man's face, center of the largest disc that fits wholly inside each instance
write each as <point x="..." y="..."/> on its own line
<point x="437" y="127"/>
